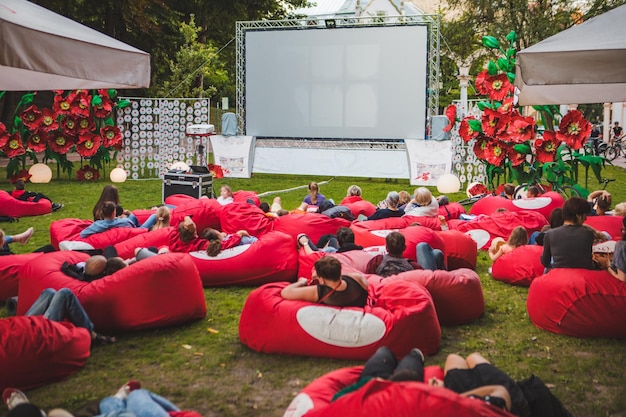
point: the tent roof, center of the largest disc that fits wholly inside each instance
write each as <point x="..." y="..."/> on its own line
<point x="42" y="50"/>
<point x="583" y="64"/>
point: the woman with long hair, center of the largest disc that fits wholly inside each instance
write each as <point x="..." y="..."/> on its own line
<point x="109" y="193"/>
<point x="517" y="238"/>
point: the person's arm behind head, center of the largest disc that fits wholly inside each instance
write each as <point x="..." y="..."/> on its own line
<point x="300" y="291"/>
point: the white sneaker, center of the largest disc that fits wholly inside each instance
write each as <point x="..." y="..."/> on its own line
<point x="75" y="245"/>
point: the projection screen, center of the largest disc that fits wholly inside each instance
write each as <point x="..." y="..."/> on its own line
<point x="352" y="83"/>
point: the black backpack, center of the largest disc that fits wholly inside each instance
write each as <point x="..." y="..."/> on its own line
<point x="541" y="401"/>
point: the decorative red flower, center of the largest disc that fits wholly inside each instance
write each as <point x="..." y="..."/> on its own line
<point x="465" y="130"/>
<point x="63" y="105"/>
<point x="81" y="104"/>
<point x="85" y="124"/>
<point x="546" y="147"/>
<point x="451" y="114"/>
<point x="49" y="120"/>
<point x="111" y="136"/>
<point x="507" y="105"/>
<point x="21" y="175"/>
<point x="574" y="129"/>
<point x="493" y="123"/>
<point x="69" y="125"/>
<point x="14" y="146"/>
<point x="3" y="129"/>
<point x="104" y="108"/>
<point x="37" y="141"/>
<point x="88" y="144"/>
<point x="4" y="136"/>
<point x="87" y="173"/>
<point x="216" y="171"/>
<point x="498" y="87"/>
<point x="481" y="145"/>
<point x="60" y="142"/>
<point x="480" y="83"/>
<point x="521" y="129"/>
<point x="516" y="158"/>
<point x="31" y="117"/>
<point x="495" y="152"/>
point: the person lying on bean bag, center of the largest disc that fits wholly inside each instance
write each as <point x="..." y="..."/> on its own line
<point x="21" y="238"/>
<point x="332" y="287"/>
<point x="518" y="237"/>
<point x="393" y="263"/>
<point x="109" y="221"/>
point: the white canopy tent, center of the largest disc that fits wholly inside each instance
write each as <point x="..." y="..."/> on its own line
<point x="41" y="50"/>
<point x="583" y="64"/>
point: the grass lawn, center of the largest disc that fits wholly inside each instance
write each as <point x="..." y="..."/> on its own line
<point x="218" y="376"/>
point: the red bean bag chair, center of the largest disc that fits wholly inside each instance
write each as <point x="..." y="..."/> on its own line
<point x="69" y="229"/>
<point x="457" y="295"/>
<point x="383" y="398"/>
<point x="143" y="214"/>
<point x="161" y="291"/>
<point x="244" y="216"/>
<point x="519" y="267"/>
<point x="399" y="314"/>
<point x="315" y="225"/>
<point x="578" y="302"/>
<point x="360" y="207"/>
<point x="484" y="229"/>
<point x="451" y="210"/>
<point x="205" y="212"/>
<point x="178" y="199"/>
<point x="352" y="261"/>
<point x="272" y="258"/>
<point x="242" y="196"/>
<point x="460" y="249"/>
<point x="610" y="224"/>
<point x="12" y="207"/>
<point x="9" y="271"/>
<point x="157" y="238"/>
<point x="543" y="204"/>
<point x="373" y="232"/>
<point x="35" y="351"/>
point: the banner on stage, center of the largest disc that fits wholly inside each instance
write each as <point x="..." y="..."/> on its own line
<point x="235" y="154"/>
<point x="428" y="160"/>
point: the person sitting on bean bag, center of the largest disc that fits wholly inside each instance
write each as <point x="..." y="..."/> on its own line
<point x="600" y="201"/>
<point x="422" y="204"/>
<point x="218" y="241"/>
<point x="21" y="238"/>
<point x="390" y="209"/>
<point x="602" y="254"/>
<point x="532" y="191"/>
<point x="517" y="238"/>
<point x="91" y="269"/>
<point x="618" y="263"/>
<point x="314" y="198"/>
<point x="20" y="193"/>
<point x="109" y="221"/>
<point x="342" y="242"/>
<point x="226" y="195"/>
<point x="332" y="287"/>
<point x="393" y="263"/>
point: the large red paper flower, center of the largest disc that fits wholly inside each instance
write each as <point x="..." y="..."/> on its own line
<point x="31" y="117"/>
<point x="521" y="129"/>
<point x="495" y="152"/>
<point x="546" y="147"/>
<point x="574" y="129"/>
<point x="81" y="104"/>
<point x="507" y="105"/>
<point x="516" y="158"/>
<point x="87" y="173"/>
<point x="60" y="142"/>
<point x="498" y="87"/>
<point x="14" y="146"/>
<point x="85" y="124"/>
<point x="37" y="141"/>
<point x="481" y="145"/>
<point x="4" y="136"/>
<point x="465" y="130"/>
<point x="451" y="115"/>
<point x="104" y="108"/>
<point x="49" y="120"/>
<point x="111" y="136"/>
<point x="63" y="105"/>
<point x="480" y="83"/>
<point x="69" y="125"/>
<point x="88" y="144"/>
<point x="493" y="123"/>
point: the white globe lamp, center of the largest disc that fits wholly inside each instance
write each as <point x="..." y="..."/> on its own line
<point x="40" y="173"/>
<point x="118" y="175"/>
<point x="448" y="183"/>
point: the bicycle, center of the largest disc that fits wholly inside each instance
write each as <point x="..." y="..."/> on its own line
<point x="614" y="150"/>
<point x="566" y="190"/>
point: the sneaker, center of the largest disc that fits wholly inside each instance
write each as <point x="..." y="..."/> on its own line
<point x="419" y="353"/>
<point x="127" y="388"/>
<point x="74" y="245"/>
<point x="13" y="397"/>
<point x="57" y="206"/>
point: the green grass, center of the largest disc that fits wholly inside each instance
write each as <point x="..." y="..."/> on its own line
<point x="218" y="376"/>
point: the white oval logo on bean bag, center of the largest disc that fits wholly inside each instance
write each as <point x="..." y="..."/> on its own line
<point x="225" y="254"/>
<point x="299" y="406"/>
<point x="382" y="232"/>
<point x="480" y="236"/>
<point x="341" y="327"/>
<point x="532" y="203"/>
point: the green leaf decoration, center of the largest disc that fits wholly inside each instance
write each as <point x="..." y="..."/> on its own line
<point x="511" y="36"/>
<point x="511" y="76"/>
<point x="511" y="52"/>
<point x="490" y="42"/>
<point x="482" y="105"/>
<point x="492" y="68"/>
<point x="96" y="100"/>
<point x="476" y="125"/>
<point x="109" y="121"/>
<point x="112" y="94"/>
<point x="522" y="148"/>
<point x="123" y="103"/>
<point x="2" y="93"/>
<point x="26" y="99"/>
<point x="503" y="64"/>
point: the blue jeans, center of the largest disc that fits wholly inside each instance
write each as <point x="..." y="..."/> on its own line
<point x="150" y="221"/>
<point x="140" y="402"/>
<point x="60" y="305"/>
<point x="429" y="258"/>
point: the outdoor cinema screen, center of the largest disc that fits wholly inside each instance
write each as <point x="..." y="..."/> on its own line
<point x="352" y="83"/>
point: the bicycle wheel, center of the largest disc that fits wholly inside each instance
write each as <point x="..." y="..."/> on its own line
<point x="568" y="191"/>
<point x="472" y="199"/>
<point x="612" y="152"/>
<point x="520" y="191"/>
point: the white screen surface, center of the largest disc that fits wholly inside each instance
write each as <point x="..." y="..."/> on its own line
<point x="365" y="82"/>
